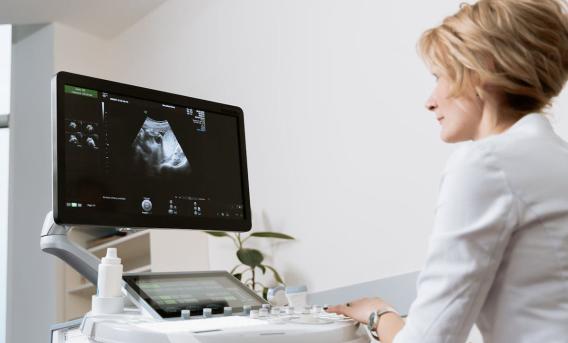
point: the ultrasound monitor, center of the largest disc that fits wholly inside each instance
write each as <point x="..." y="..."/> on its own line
<point x="126" y="156"/>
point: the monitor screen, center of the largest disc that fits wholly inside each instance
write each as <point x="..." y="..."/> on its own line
<point x="169" y="293"/>
<point x="127" y="156"/>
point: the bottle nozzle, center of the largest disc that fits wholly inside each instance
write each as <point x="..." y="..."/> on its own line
<point x="111" y="257"/>
<point x="111" y="252"/>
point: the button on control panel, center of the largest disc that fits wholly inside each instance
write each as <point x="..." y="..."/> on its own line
<point x="146" y="205"/>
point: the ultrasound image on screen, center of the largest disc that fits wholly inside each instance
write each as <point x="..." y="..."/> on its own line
<point x="157" y="151"/>
<point x="127" y="156"/>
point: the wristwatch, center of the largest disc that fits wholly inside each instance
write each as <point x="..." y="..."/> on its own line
<point x="374" y="319"/>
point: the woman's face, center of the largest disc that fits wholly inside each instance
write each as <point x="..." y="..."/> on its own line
<point x="460" y="117"/>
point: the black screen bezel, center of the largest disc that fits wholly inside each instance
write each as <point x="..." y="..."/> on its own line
<point x="132" y="278"/>
<point x="66" y="216"/>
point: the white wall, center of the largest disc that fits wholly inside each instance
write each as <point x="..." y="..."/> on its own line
<point x="81" y="52"/>
<point x="315" y="83"/>
<point x="341" y="153"/>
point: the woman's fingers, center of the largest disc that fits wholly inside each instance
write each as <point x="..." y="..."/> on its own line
<point x="359" y="309"/>
<point x="339" y="309"/>
<point x="344" y="307"/>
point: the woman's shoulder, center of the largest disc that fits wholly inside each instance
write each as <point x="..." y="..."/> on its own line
<point x="529" y="140"/>
<point x="477" y="164"/>
<point x="519" y="157"/>
<point x="516" y="146"/>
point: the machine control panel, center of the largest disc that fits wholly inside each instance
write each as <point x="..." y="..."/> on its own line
<point x="202" y="294"/>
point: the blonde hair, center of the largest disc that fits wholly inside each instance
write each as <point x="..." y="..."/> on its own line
<point x="518" y="48"/>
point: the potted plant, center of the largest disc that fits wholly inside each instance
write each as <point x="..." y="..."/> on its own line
<point x="252" y="260"/>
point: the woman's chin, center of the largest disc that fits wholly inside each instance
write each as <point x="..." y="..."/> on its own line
<point x="450" y="137"/>
<point x="445" y="137"/>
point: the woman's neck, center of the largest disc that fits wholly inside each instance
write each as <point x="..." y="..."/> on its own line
<point x="494" y="121"/>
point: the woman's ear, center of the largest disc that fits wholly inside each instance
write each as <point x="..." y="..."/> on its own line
<point x="479" y="92"/>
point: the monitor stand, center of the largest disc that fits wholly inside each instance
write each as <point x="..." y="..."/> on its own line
<point x="54" y="241"/>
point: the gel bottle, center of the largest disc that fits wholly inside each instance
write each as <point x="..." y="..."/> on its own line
<point x="109" y="296"/>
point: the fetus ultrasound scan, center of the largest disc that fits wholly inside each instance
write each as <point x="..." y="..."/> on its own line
<point x="125" y="157"/>
<point x="157" y="151"/>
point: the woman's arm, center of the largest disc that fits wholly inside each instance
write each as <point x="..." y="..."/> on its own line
<point x="476" y="215"/>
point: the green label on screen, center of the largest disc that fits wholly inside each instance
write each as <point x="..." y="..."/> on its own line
<point x="81" y="91"/>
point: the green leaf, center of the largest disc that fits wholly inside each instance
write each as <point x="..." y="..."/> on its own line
<point x="263" y="268"/>
<point x="217" y="233"/>
<point x="251" y="257"/>
<point x="265" y="293"/>
<point x="238" y="276"/>
<point x="268" y="234"/>
<point x="276" y="275"/>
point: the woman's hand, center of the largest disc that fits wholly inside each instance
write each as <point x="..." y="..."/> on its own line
<point x="359" y="309"/>
<point x="389" y="323"/>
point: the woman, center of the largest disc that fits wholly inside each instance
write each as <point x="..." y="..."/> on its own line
<point x="498" y="255"/>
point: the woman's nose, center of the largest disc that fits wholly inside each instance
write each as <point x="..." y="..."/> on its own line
<point x="431" y="105"/>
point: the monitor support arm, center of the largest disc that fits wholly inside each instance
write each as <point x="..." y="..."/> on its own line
<point x="54" y="241"/>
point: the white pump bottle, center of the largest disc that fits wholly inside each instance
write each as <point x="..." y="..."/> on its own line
<point x="108" y="299"/>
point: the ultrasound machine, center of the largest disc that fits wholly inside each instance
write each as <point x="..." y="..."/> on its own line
<point x="131" y="158"/>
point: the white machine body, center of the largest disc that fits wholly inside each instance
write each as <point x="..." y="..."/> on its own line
<point x="134" y="327"/>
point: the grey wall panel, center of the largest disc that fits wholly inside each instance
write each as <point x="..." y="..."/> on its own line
<point x="31" y="273"/>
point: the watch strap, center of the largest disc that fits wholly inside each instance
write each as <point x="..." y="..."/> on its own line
<point x="374" y="318"/>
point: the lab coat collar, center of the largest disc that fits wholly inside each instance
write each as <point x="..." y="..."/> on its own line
<point x="533" y="122"/>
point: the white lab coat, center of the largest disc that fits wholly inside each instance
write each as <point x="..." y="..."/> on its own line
<point x="498" y="254"/>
